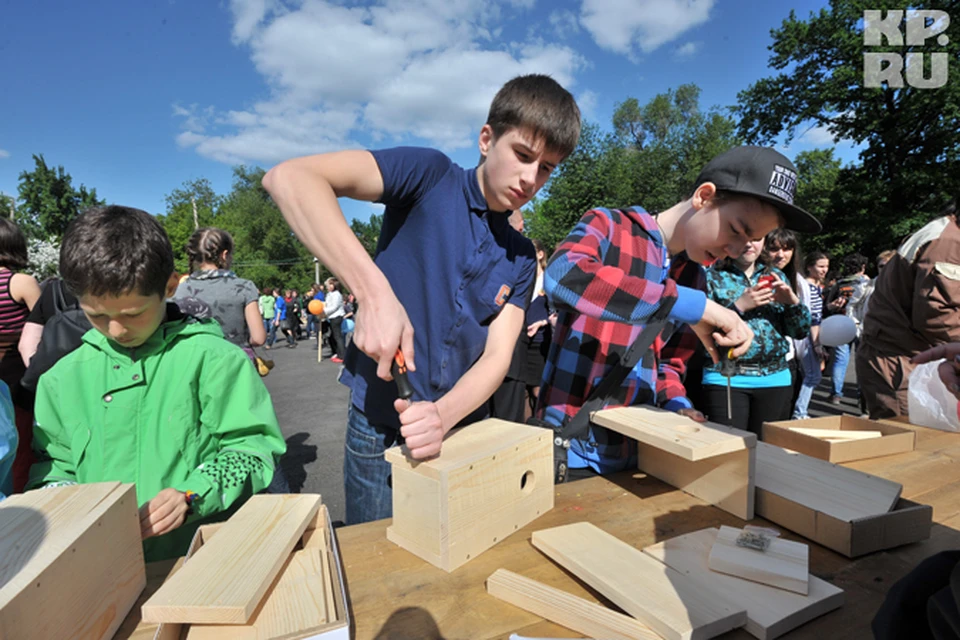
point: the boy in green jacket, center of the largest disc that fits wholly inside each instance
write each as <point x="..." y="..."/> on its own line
<point x="151" y="397"/>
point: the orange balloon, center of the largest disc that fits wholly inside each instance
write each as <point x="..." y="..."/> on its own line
<point x="315" y="307"/>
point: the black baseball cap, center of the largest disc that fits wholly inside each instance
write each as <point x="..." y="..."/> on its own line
<point x="762" y="173"/>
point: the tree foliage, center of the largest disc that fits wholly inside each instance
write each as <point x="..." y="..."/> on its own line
<point x="49" y="201"/>
<point x="651" y="159"/>
<point x="910" y="160"/>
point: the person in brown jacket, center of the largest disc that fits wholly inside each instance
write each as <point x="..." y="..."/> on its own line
<point x="914" y="307"/>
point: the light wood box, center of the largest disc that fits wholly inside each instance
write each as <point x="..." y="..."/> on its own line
<point x="338" y="629"/>
<point x="908" y="522"/>
<point x="490" y="479"/>
<point x="894" y="439"/>
<point x="71" y="561"/>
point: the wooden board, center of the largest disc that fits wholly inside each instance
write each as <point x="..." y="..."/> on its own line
<point x="771" y="612"/>
<point x="784" y="564"/>
<point x="673" y="432"/>
<point x="842" y="493"/>
<point x="726" y="481"/>
<point x="225" y="580"/>
<point x="294" y="602"/>
<point x="837" y="434"/>
<point x="589" y="618"/>
<point x="72" y="561"/>
<point x="133" y="628"/>
<point x="664" y="599"/>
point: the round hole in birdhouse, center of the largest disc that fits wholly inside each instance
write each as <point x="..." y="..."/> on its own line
<point x="527" y="482"/>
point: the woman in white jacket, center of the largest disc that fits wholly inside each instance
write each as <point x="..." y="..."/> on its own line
<point x="334" y="312"/>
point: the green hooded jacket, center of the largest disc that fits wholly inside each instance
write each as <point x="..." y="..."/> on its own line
<point x="185" y="410"/>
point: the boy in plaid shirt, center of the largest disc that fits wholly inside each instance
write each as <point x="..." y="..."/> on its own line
<point x="617" y="268"/>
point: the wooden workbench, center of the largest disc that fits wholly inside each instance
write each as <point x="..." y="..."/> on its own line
<point x="396" y="595"/>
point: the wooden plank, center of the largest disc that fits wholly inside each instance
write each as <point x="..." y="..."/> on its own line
<point x="771" y="612"/>
<point x="133" y="628"/>
<point x="673" y="432"/>
<point x="843" y="493"/>
<point x="672" y="605"/>
<point x="582" y="616"/>
<point x="225" y="580"/>
<point x="784" y="564"/>
<point x="294" y="603"/>
<point x="726" y="481"/>
<point x="80" y="568"/>
<point x="837" y="434"/>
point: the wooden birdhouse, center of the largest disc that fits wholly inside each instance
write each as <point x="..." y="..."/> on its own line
<point x="490" y="480"/>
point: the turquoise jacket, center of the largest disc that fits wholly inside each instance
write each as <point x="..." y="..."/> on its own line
<point x="772" y="324"/>
<point x="185" y="410"/>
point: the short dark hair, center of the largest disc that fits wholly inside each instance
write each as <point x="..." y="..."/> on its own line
<point x="539" y="103"/>
<point x="13" y="246"/>
<point x="207" y="244"/>
<point x="853" y="263"/>
<point x="116" y="250"/>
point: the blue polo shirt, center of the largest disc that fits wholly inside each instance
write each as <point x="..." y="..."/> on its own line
<point x="452" y="263"/>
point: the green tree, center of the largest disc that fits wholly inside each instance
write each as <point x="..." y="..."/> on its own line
<point x="910" y="162"/>
<point x="652" y="159"/>
<point x="179" y="222"/>
<point x="267" y="252"/>
<point x="368" y="233"/>
<point x="49" y="202"/>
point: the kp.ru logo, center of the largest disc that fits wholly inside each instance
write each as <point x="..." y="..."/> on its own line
<point x="880" y="67"/>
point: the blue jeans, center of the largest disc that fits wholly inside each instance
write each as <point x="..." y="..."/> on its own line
<point x="271" y="331"/>
<point x="366" y="475"/>
<point x="841" y="358"/>
<point x="811" y="378"/>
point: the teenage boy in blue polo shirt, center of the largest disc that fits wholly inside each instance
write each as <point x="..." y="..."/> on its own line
<point x="451" y="279"/>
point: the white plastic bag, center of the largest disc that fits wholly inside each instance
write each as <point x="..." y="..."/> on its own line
<point x="931" y="403"/>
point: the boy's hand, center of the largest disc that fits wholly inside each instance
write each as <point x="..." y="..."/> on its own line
<point x="381" y="326"/>
<point x="754" y="297"/>
<point x="164" y="513"/>
<point x="693" y="414"/>
<point x="722" y="328"/>
<point x="422" y="427"/>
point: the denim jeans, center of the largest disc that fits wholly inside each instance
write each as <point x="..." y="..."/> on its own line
<point x="271" y="332"/>
<point x="841" y="359"/>
<point x="366" y="475"/>
<point x="811" y="378"/>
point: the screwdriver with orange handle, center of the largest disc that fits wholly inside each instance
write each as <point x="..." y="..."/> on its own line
<point x="399" y="372"/>
<point x="729" y="369"/>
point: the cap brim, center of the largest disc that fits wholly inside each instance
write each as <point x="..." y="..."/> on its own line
<point x="795" y="218"/>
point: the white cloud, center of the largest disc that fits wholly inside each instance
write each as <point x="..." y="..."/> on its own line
<point x="564" y="23"/>
<point x="4" y="154"/>
<point x="587" y="101"/>
<point x="397" y="70"/>
<point x="622" y="26"/>
<point x="817" y="136"/>
<point x="688" y="49"/>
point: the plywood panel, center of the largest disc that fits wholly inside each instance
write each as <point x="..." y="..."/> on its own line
<point x="582" y="616"/>
<point x="673" y="432"/>
<point x="294" y="603"/>
<point x="672" y="605"/>
<point x="224" y="582"/>
<point x="771" y="612"/>
<point x="784" y="564"/>
<point x="726" y="481"/>
<point x="843" y="493"/>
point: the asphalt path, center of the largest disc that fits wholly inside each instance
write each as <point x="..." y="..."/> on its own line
<point x="312" y="409"/>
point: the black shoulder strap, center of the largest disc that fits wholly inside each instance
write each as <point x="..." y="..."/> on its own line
<point x="579" y="424"/>
<point x="59" y="302"/>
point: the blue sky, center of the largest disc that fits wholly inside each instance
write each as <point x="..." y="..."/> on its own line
<point x="134" y="98"/>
